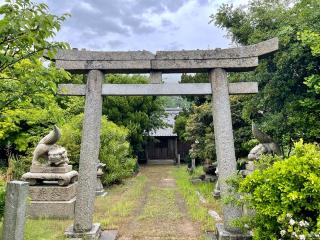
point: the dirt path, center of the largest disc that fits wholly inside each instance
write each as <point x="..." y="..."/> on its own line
<point x="161" y="213"/>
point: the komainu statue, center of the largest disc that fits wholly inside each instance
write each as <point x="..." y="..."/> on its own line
<point x="47" y="149"/>
<point x="266" y="144"/>
<point x="55" y="168"/>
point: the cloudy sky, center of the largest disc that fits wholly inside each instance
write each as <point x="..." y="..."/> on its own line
<point x="140" y="24"/>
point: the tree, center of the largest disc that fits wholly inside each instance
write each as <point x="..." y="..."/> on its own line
<point x="284" y="106"/>
<point x="139" y="114"/>
<point x="312" y="40"/>
<point x="27" y="88"/>
<point x="25" y="28"/>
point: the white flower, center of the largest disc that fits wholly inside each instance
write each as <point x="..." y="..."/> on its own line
<point x="283" y="232"/>
<point x="292" y="222"/>
<point x="246" y="226"/>
<point x="289" y="215"/>
<point x="294" y="234"/>
<point x="302" y="237"/>
<point x="303" y="224"/>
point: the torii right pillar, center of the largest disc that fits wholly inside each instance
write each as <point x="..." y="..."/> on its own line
<point x="224" y="149"/>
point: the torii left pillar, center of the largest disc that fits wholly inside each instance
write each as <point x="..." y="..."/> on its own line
<point x="83" y="226"/>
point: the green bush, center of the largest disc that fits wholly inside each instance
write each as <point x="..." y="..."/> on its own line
<point x="114" y="148"/>
<point x="2" y="197"/>
<point x="285" y="196"/>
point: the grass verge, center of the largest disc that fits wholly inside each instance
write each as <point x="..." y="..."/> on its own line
<point x="197" y="210"/>
<point x="110" y="211"/>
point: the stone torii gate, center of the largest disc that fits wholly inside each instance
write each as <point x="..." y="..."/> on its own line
<point x="216" y="62"/>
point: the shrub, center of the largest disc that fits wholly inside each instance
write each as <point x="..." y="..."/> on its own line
<point x="285" y="196"/>
<point x="2" y="197"/>
<point x="18" y="165"/>
<point x="114" y="148"/>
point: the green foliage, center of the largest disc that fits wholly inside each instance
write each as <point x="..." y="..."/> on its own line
<point x="18" y="165"/>
<point x="312" y="40"/>
<point x="24" y="30"/>
<point x="2" y="197"/>
<point x="197" y="125"/>
<point x="28" y="105"/>
<point x="139" y="114"/>
<point x="289" y="187"/>
<point x="114" y="148"/>
<point x="284" y="108"/>
<point x="199" y="131"/>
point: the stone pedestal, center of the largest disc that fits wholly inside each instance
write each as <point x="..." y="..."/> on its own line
<point x="222" y="234"/>
<point x="52" y="191"/>
<point x="93" y="234"/>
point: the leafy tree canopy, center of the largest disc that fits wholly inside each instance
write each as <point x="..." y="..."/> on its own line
<point x="27" y="88"/>
<point x="285" y="107"/>
<point x="139" y="114"/>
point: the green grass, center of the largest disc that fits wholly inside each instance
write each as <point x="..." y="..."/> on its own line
<point x="113" y="210"/>
<point x="110" y="211"/>
<point x="197" y="210"/>
<point x="161" y="205"/>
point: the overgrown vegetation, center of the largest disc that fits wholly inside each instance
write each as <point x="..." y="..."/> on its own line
<point x="140" y="114"/>
<point x="197" y="210"/>
<point x="114" y="148"/>
<point x="285" y="196"/>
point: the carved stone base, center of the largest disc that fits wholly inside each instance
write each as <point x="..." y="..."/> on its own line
<point x="52" y="201"/>
<point x="93" y="234"/>
<point x="48" y="169"/>
<point x="53" y="192"/>
<point x="222" y="234"/>
<point x="51" y="209"/>
<point x="63" y="179"/>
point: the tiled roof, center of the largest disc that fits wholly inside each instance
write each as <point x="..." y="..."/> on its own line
<point x="169" y="119"/>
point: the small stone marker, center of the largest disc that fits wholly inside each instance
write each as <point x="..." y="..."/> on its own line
<point x="215" y="215"/>
<point x="193" y="163"/>
<point x="178" y="160"/>
<point x="15" y="210"/>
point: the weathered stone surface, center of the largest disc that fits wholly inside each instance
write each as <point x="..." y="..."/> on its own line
<point x="103" y="56"/>
<point x="63" y="179"/>
<point x="109" y="235"/>
<point x="243" y="58"/>
<point x="223" y="234"/>
<point x="53" y="193"/>
<point x="51" y="209"/>
<point x="89" y="152"/>
<point x="15" y="210"/>
<point x="48" y="169"/>
<point x="138" y="66"/>
<point x="155" y="77"/>
<point x="195" y="65"/>
<point x="93" y="233"/>
<point x="255" y="50"/>
<point x="224" y="141"/>
<point x="167" y="89"/>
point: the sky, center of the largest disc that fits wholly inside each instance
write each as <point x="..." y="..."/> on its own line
<point x="122" y="25"/>
<point x="127" y="25"/>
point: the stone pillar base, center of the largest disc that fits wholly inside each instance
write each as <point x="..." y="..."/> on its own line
<point x="101" y="193"/>
<point x="93" y="234"/>
<point x="222" y="234"/>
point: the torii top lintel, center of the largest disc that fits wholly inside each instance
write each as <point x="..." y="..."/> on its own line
<point x="232" y="59"/>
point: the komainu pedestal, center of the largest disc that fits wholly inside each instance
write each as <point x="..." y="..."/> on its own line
<point x="53" y="184"/>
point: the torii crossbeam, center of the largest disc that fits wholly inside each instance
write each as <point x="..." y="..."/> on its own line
<point x="216" y="62"/>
